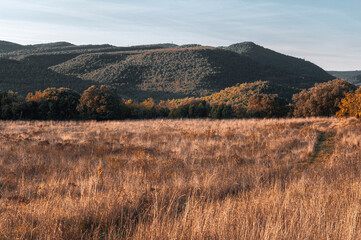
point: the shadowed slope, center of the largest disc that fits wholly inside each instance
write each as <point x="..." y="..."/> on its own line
<point x="308" y="70"/>
<point x="25" y="78"/>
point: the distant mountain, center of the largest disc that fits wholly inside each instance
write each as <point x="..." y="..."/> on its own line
<point x="9" y="47"/>
<point x="160" y="71"/>
<point x="353" y="77"/>
<point x="51" y="45"/>
<point x="21" y="51"/>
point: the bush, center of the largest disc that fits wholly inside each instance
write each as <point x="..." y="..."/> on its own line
<point x="321" y="100"/>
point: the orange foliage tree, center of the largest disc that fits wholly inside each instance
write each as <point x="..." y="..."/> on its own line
<point x="350" y="106"/>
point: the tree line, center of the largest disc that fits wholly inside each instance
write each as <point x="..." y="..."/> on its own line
<point x="336" y="97"/>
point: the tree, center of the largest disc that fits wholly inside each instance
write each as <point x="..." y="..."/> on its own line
<point x="350" y="106"/>
<point x="221" y="110"/>
<point x="321" y="100"/>
<point x="10" y="105"/>
<point x="198" y="109"/>
<point x="266" y="106"/>
<point x="192" y="109"/>
<point x="56" y="103"/>
<point x="100" y="103"/>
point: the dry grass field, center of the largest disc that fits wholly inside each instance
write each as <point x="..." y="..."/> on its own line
<point x="181" y="179"/>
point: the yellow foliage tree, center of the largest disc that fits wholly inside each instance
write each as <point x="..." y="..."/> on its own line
<point x="350" y="106"/>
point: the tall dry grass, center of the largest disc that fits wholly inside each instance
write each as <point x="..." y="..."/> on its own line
<point x="190" y="179"/>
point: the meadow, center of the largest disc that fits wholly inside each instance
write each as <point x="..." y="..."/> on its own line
<point x="181" y="179"/>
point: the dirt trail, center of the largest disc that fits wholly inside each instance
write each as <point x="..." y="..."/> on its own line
<point x="323" y="149"/>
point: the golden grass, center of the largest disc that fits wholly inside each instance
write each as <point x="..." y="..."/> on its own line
<point x="181" y="179"/>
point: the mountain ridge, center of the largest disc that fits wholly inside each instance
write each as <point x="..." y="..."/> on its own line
<point x="353" y="77"/>
<point x="161" y="71"/>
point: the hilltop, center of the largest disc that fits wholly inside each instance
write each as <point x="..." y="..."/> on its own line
<point x="269" y="57"/>
<point x="161" y="71"/>
<point x="9" y="46"/>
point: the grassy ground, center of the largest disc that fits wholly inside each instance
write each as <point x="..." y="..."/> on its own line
<point x="191" y="179"/>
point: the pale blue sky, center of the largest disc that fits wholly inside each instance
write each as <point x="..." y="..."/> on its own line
<point x="327" y="33"/>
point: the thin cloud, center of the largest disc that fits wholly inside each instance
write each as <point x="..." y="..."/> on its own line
<point x="318" y="26"/>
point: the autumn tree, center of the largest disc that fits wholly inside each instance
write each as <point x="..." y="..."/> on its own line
<point x="321" y="100"/>
<point x="192" y="109"/>
<point x="266" y="106"/>
<point x="55" y="103"/>
<point x="350" y="106"/>
<point x="221" y="110"/>
<point x="101" y="103"/>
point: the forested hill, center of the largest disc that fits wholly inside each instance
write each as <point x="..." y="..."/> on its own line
<point x="9" y="47"/>
<point x="269" y="57"/>
<point x="161" y="71"/>
<point x="23" y="78"/>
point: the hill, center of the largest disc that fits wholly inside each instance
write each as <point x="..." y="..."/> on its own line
<point x="162" y="71"/>
<point x="286" y="63"/>
<point x="9" y="46"/>
<point x="52" y="45"/>
<point x="23" y="78"/>
<point x="194" y="71"/>
<point x="21" y="51"/>
<point x="353" y="77"/>
<point x="240" y="93"/>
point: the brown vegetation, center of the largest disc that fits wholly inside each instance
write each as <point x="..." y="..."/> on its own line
<point x="323" y="99"/>
<point x="192" y="179"/>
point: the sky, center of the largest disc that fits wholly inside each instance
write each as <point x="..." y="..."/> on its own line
<point x="326" y="32"/>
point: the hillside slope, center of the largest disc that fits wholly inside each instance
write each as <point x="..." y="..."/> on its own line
<point x="24" y="78"/>
<point x="353" y="77"/>
<point x="241" y="93"/>
<point x="286" y="63"/>
<point x="195" y="71"/>
<point x="9" y="47"/>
